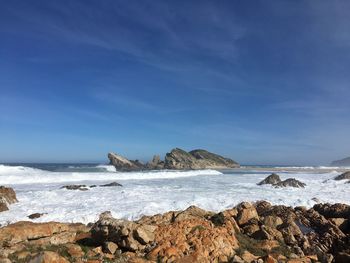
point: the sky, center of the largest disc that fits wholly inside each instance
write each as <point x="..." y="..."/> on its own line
<point x="262" y="82"/>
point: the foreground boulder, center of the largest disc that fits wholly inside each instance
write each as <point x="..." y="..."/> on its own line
<point x="249" y="232"/>
<point x="176" y="159"/>
<point x="343" y="176"/>
<point x="7" y="197"/>
<point x="128" y="235"/>
<point x="271" y="179"/>
<point x="110" y="184"/>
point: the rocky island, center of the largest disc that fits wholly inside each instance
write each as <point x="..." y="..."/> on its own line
<point x="176" y="159"/>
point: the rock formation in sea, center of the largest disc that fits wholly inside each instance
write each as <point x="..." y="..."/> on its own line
<point x="7" y="197"/>
<point x="250" y="232"/>
<point x="176" y="159"/>
<point x="290" y="182"/>
<point x="276" y="181"/>
<point x="271" y="179"/>
<point x="343" y="176"/>
<point x="342" y="162"/>
<point x="122" y="164"/>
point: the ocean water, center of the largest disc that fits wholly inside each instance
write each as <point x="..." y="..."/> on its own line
<point x="38" y="189"/>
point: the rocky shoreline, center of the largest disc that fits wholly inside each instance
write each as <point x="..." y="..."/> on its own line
<point x="176" y="159"/>
<point x="249" y="232"/>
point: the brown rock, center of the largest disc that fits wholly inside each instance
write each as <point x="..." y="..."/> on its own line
<point x="248" y="257"/>
<point x="269" y="259"/>
<point x="51" y="232"/>
<point x="272" y="221"/>
<point x="145" y="233"/>
<point x="192" y="212"/>
<point x="333" y="210"/>
<point x="110" y="247"/>
<point x="74" y="250"/>
<point x="48" y="257"/>
<point x="342" y="257"/>
<point x="246" y="212"/>
<point x="7" y="197"/>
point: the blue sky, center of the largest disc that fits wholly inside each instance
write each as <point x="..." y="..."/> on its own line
<point x="264" y="82"/>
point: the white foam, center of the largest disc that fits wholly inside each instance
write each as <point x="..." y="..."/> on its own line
<point x="108" y="168"/>
<point x="13" y="175"/>
<point x="146" y="193"/>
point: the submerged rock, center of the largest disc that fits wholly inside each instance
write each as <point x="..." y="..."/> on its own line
<point x="7" y="197"/>
<point x="271" y="179"/>
<point x="343" y="176"/>
<point x="110" y="184"/>
<point x="36" y="215"/>
<point x="81" y="187"/>
<point x="291" y="182"/>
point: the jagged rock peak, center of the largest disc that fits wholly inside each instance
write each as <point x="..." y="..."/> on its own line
<point x="197" y="159"/>
<point x="176" y="159"/>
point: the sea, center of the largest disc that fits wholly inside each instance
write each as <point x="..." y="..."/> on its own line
<point x="39" y="190"/>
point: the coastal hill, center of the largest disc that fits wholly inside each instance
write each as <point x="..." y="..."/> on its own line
<point x="342" y="162"/>
<point x="176" y="159"/>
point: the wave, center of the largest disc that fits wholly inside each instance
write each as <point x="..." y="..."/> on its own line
<point x="108" y="168"/>
<point x="13" y="175"/>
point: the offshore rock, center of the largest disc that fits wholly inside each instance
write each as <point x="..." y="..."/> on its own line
<point x="291" y="182"/>
<point x="196" y="159"/>
<point x="156" y="163"/>
<point x="81" y="187"/>
<point x="176" y="159"/>
<point x="122" y="164"/>
<point x="271" y="179"/>
<point x="343" y="176"/>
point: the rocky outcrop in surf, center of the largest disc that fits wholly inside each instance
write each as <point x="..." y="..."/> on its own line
<point x="176" y="159"/>
<point x="275" y="180"/>
<point x="122" y="164"/>
<point x="7" y="197"/>
<point x="250" y="232"/>
<point x="343" y="176"/>
<point x="271" y="179"/>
